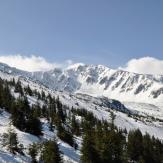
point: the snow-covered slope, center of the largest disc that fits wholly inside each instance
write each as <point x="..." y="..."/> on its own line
<point x="69" y="153"/>
<point x="129" y="115"/>
<point x="143" y="113"/>
<point x="98" y="80"/>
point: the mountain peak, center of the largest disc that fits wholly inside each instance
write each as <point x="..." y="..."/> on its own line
<point x="98" y="80"/>
<point x="76" y="66"/>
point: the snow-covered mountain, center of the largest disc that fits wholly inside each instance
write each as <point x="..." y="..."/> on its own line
<point x="144" y="112"/>
<point x="141" y="99"/>
<point x="98" y="80"/>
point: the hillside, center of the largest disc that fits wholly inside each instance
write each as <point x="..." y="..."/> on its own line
<point x="99" y="81"/>
<point x="96" y="109"/>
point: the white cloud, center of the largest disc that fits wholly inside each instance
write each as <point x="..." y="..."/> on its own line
<point x="145" y="65"/>
<point x="32" y="63"/>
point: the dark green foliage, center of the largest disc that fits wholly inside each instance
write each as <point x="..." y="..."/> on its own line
<point x="112" y="147"/>
<point x="135" y="145"/>
<point x="18" y="88"/>
<point x="33" y="151"/>
<point x="6" y="98"/>
<point x="23" y="118"/>
<point x="89" y="152"/>
<point x="10" y="141"/>
<point x="36" y="110"/>
<point x="112" y="115"/>
<point x="18" y="117"/>
<point x="28" y="91"/>
<point x="50" y="152"/>
<point x="33" y="125"/>
<point x="42" y="95"/>
<point x="148" y="149"/>
<point x="60" y="112"/>
<point x="75" y="126"/>
<point x="152" y="149"/>
<point x="51" y="112"/>
<point x="106" y="144"/>
<point x="102" y="141"/>
<point x="65" y="135"/>
<point x="144" y="148"/>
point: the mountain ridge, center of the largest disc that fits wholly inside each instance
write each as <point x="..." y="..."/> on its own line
<point x="98" y="80"/>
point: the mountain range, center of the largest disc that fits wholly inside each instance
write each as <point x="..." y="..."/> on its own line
<point x="135" y="99"/>
<point x="98" y="80"/>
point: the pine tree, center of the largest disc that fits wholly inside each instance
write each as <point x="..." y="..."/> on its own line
<point x="60" y="112"/>
<point x="24" y="118"/>
<point x="112" y="147"/>
<point x="33" y="151"/>
<point x="18" y="88"/>
<point x="13" y="82"/>
<point x="135" y="145"/>
<point x="65" y="135"/>
<point x="112" y="115"/>
<point x="88" y="150"/>
<point x="51" y="152"/>
<point x="33" y="126"/>
<point x="28" y="90"/>
<point x="18" y="117"/>
<point x="10" y="140"/>
<point x="51" y="112"/>
<point x="148" y="149"/>
<point x="36" y="110"/>
<point x="75" y="126"/>
<point x="43" y="95"/>
<point x="5" y="95"/>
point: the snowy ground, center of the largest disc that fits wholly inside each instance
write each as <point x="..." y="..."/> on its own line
<point x="79" y="101"/>
<point x="69" y="154"/>
<point x="146" y="109"/>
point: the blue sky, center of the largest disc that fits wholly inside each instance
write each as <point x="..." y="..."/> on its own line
<point x="109" y="32"/>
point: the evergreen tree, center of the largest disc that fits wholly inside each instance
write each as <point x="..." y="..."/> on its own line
<point x="38" y="95"/>
<point x="33" y="126"/>
<point x="13" y="82"/>
<point x="51" y="153"/>
<point x="60" y="112"/>
<point x="36" y="110"/>
<point x="43" y="95"/>
<point x="18" y="88"/>
<point x="88" y="150"/>
<point x="18" y="117"/>
<point x="112" y="115"/>
<point x="65" y="135"/>
<point x="33" y="151"/>
<point x="112" y="147"/>
<point x="10" y="140"/>
<point x="51" y="112"/>
<point x="23" y="118"/>
<point x="148" y="149"/>
<point x="75" y="126"/>
<point x="135" y="145"/>
<point x="28" y="90"/>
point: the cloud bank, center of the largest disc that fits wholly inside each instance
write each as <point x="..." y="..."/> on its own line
<point x="31" y="63"/>
<point x="145" y="65"/>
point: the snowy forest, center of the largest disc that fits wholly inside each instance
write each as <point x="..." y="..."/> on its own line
<point x="101" y="141"/>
